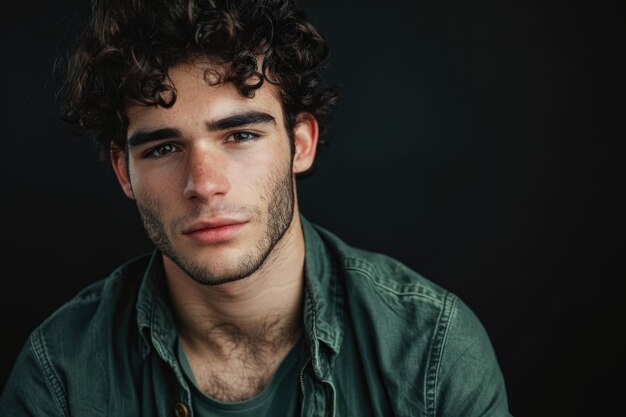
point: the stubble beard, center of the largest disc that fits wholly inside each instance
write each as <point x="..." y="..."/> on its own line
<point x="280" y="200"/>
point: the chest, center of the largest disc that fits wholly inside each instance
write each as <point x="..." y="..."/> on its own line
<point x="235" y="380"/>
<point x="357" y="389"/>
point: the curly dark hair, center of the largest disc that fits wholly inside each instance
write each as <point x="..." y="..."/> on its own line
<point x="128" y="46"/>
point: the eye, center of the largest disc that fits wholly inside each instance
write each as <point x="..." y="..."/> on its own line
<point x="240" y="137"/>
<point x="161" y="151"/>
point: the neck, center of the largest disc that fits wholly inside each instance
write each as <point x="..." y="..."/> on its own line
<point x="264" y="308"/>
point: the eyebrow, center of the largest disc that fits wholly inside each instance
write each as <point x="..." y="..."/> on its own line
<point x="236" y="120"/>
<point x="241" y="119"/>
<point x="141" y="137"/>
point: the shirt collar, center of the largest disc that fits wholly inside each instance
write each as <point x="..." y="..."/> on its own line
<point x="154" y="318"/>
<point x="323" y="302"/>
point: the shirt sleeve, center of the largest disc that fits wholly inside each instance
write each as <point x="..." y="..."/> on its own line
<point x="30" y="390"/>
<point x="469" y="379"/>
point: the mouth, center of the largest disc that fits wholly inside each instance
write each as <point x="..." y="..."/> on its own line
<point x="215" y="231"/>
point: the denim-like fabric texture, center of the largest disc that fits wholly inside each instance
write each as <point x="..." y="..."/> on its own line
<point x="383" y="341"/>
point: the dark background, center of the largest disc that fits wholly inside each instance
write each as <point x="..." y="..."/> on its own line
<point x="481" y="143"/>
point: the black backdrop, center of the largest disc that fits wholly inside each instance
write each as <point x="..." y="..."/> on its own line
<point x="478" y="142"/>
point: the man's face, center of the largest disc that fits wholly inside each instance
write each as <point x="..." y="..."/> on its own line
<point x="212" y="176"/>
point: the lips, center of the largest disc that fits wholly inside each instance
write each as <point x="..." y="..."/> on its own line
<point x="214" y="231"/>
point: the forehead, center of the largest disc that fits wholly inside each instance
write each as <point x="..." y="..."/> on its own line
<point x="198" y="102"/>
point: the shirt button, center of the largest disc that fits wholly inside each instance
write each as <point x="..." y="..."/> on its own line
<point x="181" y="410"/>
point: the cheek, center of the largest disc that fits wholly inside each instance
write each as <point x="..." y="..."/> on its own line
<point x="251" y="170"/>
<point x="154" y="188"/>
<point x="265" y="172"/>
<point x="154" y="176"/>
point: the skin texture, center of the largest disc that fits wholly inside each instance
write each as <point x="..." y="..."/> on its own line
<point x="237" y="299"/>
<point x="275" y="200"/>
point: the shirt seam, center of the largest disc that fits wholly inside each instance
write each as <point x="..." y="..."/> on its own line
<point x="412" y="293"/>
<point x="52" y="380"/>
<point x="313" y="313"/>
<point x="435" y="355"/>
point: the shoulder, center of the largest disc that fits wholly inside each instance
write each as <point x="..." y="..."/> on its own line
<point x="385" y="276"/>
<point x="87" y="317"/>
<point x="424" y="332"/>
<point x="395" y="302"/>
<point x="98" y="303"/>
<point x="70" y="349"/>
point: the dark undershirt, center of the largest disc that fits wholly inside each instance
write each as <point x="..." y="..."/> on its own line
<point x="279" y="398"/>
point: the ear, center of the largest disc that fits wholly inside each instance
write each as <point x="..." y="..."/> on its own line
<point x="305" y="139"/>
<point x="120" y="166"/>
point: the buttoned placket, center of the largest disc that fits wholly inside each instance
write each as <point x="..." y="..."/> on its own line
<point x="158" y="331"/>
<point x="160" y="340"/>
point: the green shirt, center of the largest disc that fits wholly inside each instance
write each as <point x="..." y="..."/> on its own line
<point x="279" y="398"/>
<point x="381" y="341"/>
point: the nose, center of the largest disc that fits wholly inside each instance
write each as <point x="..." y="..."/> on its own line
<point x="206" y="175"/>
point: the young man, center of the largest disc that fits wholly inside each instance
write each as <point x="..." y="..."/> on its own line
<point x="208" y="111"/>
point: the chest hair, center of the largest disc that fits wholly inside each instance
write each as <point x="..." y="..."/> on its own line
<point x="243" y="367"/>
